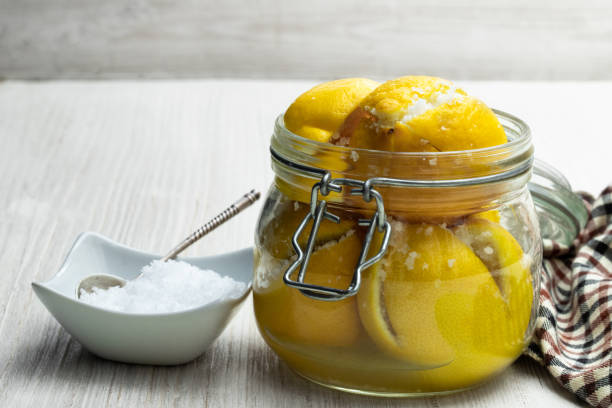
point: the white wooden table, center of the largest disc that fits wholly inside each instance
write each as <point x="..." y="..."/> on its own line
<point x="145" y="162"/>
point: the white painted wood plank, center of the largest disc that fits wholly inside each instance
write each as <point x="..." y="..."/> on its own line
<point x="145" y="162"/>
<point x="469" y="39"/>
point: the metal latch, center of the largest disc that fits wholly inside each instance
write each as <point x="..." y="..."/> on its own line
<point x="318" y="211"/>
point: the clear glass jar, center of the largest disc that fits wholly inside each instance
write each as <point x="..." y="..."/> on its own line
<point x="447" y="288"/>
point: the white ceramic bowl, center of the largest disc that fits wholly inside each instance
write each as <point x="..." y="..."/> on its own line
<point x="160" y="339"/>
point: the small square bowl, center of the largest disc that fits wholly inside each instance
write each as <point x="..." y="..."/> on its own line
<point x="157" y="339"/>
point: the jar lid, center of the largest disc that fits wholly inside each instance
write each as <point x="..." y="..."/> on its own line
<point x="561" y="213"/>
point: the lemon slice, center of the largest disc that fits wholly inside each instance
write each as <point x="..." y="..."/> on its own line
<point x="399" y="298"/>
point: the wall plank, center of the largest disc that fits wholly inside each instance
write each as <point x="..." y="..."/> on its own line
<point x="461" y="39"/>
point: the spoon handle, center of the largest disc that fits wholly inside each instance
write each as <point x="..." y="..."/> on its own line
<point x="244" y="202"/>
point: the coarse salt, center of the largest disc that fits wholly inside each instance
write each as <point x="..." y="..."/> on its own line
<point x="409" y="261"/>
<point x="166" y="287"/>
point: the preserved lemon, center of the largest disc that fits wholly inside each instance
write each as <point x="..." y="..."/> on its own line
<point x="319" y="112"/>
<point x="421" y="114"/>
<point x="400" y="300"/>
<point x="277" y="232"/>
<point x="509" y="266"/>
<point x="290" y="315"/>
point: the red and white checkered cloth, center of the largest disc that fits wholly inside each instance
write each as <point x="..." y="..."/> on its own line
<point x="573" y="336"/>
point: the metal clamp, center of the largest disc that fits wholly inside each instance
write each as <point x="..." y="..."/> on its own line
<point x="318" y="211"/>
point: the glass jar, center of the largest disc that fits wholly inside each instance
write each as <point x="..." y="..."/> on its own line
<point x="394" y="273"/>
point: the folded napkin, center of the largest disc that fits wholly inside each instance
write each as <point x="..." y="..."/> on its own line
<point x="573" y="335"/>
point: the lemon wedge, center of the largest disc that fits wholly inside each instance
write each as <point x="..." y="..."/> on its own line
<point x="318" y="322"/>
<point x="509" y="267"/>
<point x="399" y="298"/>
<point x="295" y="318"/>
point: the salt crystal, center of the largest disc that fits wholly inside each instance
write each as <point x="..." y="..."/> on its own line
<point x="451" y="262"/>
<point x="409" y="261"/>
<point x="166" y="287"/>
<point x="488" y="250"/>
<point x="354" y="155"/>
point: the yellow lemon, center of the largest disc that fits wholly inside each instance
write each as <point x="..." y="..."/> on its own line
<point x="399" y="301"/>
<point x="509" y="266"/>
<point x="435" y="300"/>
<point x="288" y="315"/>
<point x="277" y="233"/>
<point x="318" y="113"/>
<point x="496" y="319"/>
<point x="490" y="215"/>
<point x="328" y="323"/>
<point x="420" y="114"/>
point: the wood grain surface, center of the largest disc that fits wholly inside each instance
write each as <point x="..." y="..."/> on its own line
<point x="461" y="39"/>
<point x="146" y="162"/>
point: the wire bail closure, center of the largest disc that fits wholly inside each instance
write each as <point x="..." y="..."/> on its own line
<point x="318" y="211"/>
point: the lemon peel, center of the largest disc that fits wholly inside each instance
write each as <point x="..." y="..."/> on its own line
<point x="509" y="266"/>
<point x="328" y="323"/>
<point x="318" y="113"/>
<point x="277" y="232"/>
<point x="311" y="322"/>
<point x="398" y="300"/>
<point x="420" y="114"/>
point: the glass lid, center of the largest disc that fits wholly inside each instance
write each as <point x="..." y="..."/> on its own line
<point x="561" y="213"/>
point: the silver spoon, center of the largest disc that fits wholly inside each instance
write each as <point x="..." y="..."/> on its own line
<point x="106" y="281"/>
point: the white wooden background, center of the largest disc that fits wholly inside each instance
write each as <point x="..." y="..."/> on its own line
<point x="460" y="39"/>
<point x="146" y="162"/>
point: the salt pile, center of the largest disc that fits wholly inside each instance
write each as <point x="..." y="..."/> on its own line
<point x="166" y="287"/>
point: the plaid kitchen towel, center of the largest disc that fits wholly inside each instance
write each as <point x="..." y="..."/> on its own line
<point x="573" y="335"/>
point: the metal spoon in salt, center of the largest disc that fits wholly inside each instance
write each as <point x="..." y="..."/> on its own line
<point x="107" y="281"/>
